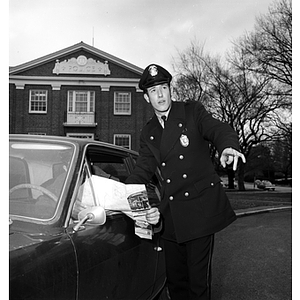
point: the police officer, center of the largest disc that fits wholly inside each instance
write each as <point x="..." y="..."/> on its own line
<point x="194" y="205"/>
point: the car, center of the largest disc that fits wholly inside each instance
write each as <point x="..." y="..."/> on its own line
<point x="61" y="249"/>
<point x="265" y="185"/>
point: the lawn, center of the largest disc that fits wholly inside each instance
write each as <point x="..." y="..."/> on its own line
<point x="255" y="198"/>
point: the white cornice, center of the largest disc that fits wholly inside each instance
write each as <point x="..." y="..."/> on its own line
<point x="57" y="82"/>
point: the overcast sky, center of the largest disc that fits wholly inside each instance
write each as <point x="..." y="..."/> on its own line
<point x="138" y="31"/>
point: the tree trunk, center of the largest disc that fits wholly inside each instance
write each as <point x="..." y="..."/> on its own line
<point x="230" y="174"/>
<point x="240" y="172"/>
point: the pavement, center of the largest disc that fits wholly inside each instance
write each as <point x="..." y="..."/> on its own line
<point x="253" y="256"/>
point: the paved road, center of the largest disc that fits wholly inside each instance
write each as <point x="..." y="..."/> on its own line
<point x="253" y="258"/>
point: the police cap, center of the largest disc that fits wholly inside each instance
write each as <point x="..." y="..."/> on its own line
<point x="154" y="75"/>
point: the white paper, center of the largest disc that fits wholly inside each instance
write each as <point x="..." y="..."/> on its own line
<point x="117" y="196"/>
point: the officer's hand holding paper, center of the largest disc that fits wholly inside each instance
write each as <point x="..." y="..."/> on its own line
<point x="131" y="199"/>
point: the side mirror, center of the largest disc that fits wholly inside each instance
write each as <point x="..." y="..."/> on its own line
<point x="94" y="215"/>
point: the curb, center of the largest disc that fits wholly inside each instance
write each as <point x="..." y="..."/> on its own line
<point x="251" y="211"/>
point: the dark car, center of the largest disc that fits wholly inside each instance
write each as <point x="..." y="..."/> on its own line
<point x="62" y="249"/>
<point x="265" y="185"/>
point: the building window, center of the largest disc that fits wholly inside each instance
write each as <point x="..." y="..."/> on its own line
<point x="38" y="101"/>
<point x="81" y="135"/>
<point x="36" y="133"/>
<point x="81" y="101"/>
<point x="122" y="103"/>
<point x="123" y="140"/>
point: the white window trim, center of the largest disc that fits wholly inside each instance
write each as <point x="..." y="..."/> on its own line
<point x="30" y="100"/>
<point x="36" y="133"/>
<point x="88" y="101"/>
<point x="81" y="135"/>
<point x="130" y="103"/>
<point x="123" y="135"/>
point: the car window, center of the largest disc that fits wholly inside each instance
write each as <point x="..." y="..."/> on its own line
<point x="112" y="170"/>
<point x="109" y="164"/>
<point x="101" y="162"/>
<point x="37" y="173"/>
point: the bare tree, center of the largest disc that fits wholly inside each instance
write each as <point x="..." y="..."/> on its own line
<point x="193" y="73"/>
<point x="251" y="89"/>
<point x="282" y="150"/>
<point x="233" y="95"/>
<point x="268" y="48"/>
<point x="244" y="102"/>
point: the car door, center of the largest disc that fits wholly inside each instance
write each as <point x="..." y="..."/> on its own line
<point x="42" y="262"/>
<point x="113" y="262"/>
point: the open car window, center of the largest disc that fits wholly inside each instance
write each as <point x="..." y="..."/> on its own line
<point x="103" y="163"/>
<point x="109" y="164"/>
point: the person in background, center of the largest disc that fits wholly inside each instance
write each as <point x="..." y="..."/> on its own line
<point x="194" y="205"/>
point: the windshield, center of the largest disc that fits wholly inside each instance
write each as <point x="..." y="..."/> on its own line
<point x="37" y="173"/>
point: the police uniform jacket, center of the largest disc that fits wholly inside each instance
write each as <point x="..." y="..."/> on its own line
<point x="194" y="203"/>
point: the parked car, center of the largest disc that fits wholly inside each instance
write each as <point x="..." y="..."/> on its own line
<point x="265" y="185"/>
<point x="59" y="249"/>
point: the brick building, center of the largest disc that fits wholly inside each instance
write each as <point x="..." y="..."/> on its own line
<point x="78" y="91"/>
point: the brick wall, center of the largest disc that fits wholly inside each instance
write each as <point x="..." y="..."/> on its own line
<point x="52" y="123"/>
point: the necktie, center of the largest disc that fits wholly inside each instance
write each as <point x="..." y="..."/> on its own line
<point x="164" y="118"/>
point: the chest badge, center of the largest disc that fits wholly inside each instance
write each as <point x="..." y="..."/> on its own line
<point x="184" y="140"/>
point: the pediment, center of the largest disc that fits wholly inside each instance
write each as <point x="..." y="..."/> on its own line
<point x="81" y="65"/>
<point x="81" y="59"/>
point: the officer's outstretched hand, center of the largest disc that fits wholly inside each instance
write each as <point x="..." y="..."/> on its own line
<point x="230" y="155"/>
<point x="152" y="215"/>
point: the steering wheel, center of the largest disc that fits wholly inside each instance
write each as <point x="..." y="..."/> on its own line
<point x="36" y="187"/>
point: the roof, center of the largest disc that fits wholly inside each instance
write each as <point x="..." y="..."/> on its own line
<point x="74" y="48"/>
<point x="79" y="141"/>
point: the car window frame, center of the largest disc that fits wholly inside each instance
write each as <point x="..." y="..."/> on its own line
<point x="57" y="214"/>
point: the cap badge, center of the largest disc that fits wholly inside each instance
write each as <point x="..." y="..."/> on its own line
<point x="153" y="70"/>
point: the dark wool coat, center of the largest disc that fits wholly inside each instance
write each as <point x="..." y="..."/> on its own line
<point x="194" y="203"/>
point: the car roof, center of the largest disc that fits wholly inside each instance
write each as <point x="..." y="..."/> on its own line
<point x="81" y="142"/>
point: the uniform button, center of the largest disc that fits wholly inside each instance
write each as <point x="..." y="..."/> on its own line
<point x="168" y="180"/>
<point x="163" y="164"/>
<point x="184" y="176"/>
<point x="181" y="156"/>
<point x="180" y="125"/>
<point x="171" y="198"/>
<point x="186" y="194"/>
<point x="151" y="138"/>
<point x="212" y="184"/>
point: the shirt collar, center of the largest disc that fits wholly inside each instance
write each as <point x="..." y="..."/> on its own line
<point x="160" y="120"/>
<point x="163" y="114"/>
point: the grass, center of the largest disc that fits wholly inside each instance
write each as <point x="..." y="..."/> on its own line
<point x="255" y="198"/>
